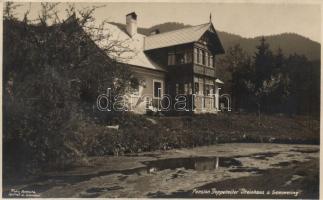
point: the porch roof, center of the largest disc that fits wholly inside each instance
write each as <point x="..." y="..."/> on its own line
<point x="219" y="81"/>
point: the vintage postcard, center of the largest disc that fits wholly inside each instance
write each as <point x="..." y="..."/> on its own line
<point x="161" y="99"/>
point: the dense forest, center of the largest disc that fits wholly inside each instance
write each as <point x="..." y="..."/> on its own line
<point x="271" y="82"/>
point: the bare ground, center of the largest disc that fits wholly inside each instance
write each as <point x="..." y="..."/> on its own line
<point x="254" y="167"/>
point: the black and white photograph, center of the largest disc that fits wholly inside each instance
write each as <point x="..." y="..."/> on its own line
<point x="185" y="99"/>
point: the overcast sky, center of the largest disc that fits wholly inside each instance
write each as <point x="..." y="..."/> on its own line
<point x="245" y="19"/>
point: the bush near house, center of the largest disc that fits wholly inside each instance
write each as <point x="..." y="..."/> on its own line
<point x="51" y="71"/>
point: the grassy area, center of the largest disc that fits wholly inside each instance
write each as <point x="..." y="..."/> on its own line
<point x="139" y="133"/>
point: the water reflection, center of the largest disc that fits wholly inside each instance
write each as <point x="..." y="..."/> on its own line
<point x="194" y="163"/>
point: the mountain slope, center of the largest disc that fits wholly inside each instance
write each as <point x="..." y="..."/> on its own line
<point x="290" y="43"/>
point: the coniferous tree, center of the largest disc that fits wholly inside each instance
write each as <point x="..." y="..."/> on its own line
<point x="263" y="62"/>
<point x="263" y="81"/>
<point x="282" y="92"/>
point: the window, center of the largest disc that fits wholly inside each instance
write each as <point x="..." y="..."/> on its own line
<point x="157" y="89"/>
<point x="171" y="58"/>
<point x="209" y="86"/>
<point x="196" y="87"/>
<point x="185" y="88"/>
<point x="177" y="88"/>
<point x="201" y="88"/>
<point x="185" y="57"/>
<point x="211" y="61"/>
<point x="207" y="61"/>
<point x="180" y="58"/>
<point x="208" y="89"/>
<point x="195" y="55"/>
<point x="200" y="56"/>
<point x="203" y="57"/>
<point x="188" y="56"/>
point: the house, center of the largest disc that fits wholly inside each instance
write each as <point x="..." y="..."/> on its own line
<point x="175" y="70"/>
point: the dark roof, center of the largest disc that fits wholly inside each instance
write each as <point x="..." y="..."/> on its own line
<point x="180" y="36"/>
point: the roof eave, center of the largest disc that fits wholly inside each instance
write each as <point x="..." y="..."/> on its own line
<point x="169" y="46"/>
<point x="142" y="67"/>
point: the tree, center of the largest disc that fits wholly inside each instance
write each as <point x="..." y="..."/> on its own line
<point x="235" y="66"/>
<point x="263" y="63"/>
<point x="279" y="97"/>
<point x="263" y="81"/>
<point x="304" y="85"/>
<point x="9" y="10"/>
<point x="271" y="82"/>
<point x="51" y="67"/>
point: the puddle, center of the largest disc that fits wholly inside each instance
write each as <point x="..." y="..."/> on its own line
<point x="194" y="163"/>
<point x="150" y="167"/>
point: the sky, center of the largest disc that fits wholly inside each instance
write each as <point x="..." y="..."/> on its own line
<point x="245" y="19"/>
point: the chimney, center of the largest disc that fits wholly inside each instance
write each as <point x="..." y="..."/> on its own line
<point x="131" y="21"/>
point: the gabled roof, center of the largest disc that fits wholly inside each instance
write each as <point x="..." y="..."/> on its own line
<point x="177" y="37"/>
<point x="135" y="56"/>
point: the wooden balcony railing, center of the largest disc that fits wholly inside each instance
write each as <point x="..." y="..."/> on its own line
<point x="207" y="71"/>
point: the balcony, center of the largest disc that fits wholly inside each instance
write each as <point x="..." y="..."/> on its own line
<point x="202" y="70"/>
